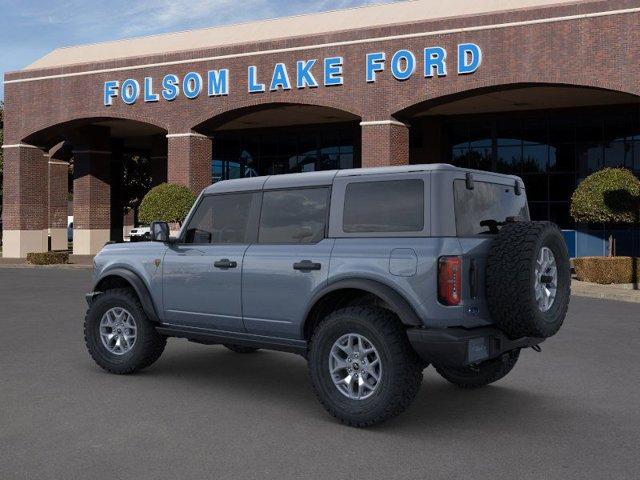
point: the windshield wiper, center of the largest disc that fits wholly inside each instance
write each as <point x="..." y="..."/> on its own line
<point x="493" y="224"/>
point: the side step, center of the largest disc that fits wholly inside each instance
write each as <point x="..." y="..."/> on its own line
<point x="216" y="337"/>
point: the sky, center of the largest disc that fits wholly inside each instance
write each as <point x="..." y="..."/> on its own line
<point x="30" y="29"/>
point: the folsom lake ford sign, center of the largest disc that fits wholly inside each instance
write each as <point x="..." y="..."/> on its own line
<point x="311" y="73"/>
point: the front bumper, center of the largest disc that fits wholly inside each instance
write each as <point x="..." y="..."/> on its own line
<point x="459" y="347"/>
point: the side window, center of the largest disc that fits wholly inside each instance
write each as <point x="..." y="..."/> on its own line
<point x="384" y="206"/>
<point x="221" y="219"/>
<point x="294" y="216"/>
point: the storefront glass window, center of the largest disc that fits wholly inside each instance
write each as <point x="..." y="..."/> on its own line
<point x="250" y="153"/>
<point x="551" y="151"/>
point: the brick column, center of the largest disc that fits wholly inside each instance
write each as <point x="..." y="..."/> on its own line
<point x="91" y="189"/>
<point x="91" y="200"/>
<point x="58" y="190"/>
<point x="158" y="160"/>
<point x="189" y="160"/>
<point x="25" y="200"/>
<point x="384" y="143"/>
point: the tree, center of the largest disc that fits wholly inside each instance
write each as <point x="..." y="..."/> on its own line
<point x="609" y="196"/>
<point x="136" y="182"/>
<point x="167" y="202"/>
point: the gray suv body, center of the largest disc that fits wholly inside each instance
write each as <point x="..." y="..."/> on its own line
<point x="324" y="263"/>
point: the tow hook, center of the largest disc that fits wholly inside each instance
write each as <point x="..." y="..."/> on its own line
<point x="536" y="348"/>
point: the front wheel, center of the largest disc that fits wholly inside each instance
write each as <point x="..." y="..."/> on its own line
<point x="482" y="374"/>
<point x="118" y="335"/>
<point x="362" y="367"/>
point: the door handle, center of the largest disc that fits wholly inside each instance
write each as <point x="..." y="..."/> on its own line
<point x="306" y="266"/>
<point x="225" y="263"/>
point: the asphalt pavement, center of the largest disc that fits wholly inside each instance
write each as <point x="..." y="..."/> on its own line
<point x="572" y="411"/>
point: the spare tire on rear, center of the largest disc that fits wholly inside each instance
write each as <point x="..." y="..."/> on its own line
<point x="528" y="279"/>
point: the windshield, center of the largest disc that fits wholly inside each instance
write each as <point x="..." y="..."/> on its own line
<point x="486" y="203"/>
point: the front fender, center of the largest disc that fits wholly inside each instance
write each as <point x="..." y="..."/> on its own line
<point x="133" y="279"/>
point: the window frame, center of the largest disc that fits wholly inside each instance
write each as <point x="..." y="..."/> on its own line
<point x="252" y="224"/>
<point x="325" y="232"/>
<point x="336" y="226"/>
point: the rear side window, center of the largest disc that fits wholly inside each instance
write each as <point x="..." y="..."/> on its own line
<point x="221" y="219"/>
<point x="387" y="206"/>
<point x="487" y="201"/>
<point x="294" y="216"/>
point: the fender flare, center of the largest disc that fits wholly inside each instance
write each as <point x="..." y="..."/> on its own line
<point x="138" y="285"/>
<point x="399" y="305"/>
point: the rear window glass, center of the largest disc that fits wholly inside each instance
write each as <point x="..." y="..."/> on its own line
<point x="387" y="206"/>
<point x="487" y="201"/>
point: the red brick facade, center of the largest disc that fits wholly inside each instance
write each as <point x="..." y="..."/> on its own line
<point x="189" y="161"/>
<point x="58" y="188"/>
<point x="384" y="144"/>
<point x="590" y="44"/>
<point x="25" y="190"/>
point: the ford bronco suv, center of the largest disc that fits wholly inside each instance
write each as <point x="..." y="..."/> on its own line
<point x="370" y="274"/>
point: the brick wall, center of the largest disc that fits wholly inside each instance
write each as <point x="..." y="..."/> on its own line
<point x="25" y="194"/>
<point x="590" y="52"/>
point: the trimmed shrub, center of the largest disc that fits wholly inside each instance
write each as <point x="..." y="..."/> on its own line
<point x="607" y="270"/>
<point x="167" y="203"/>
<point x="611" y="195"/>
<point x="48" y="258"/>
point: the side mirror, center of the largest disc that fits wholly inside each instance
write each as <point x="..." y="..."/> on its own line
<point x="159" y="232"/>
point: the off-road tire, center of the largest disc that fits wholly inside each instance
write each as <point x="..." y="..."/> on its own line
<point x="148" y="346"/>
<point x="510" y="279"/>
<point x="401" y="374"/>
<point x="483" y="374"/>
<point x="240" y="348"/>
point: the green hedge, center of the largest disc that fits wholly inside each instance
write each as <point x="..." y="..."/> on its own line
<point x="167" y="203"/>
<point x="611" y="195"/>
<point x="607" y="270"/>
<point x="48" y="258"/>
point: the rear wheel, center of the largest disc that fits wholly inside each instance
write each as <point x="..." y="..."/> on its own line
<point x="483" y="374"/>
<point x="362" y="367"/>
<point x="118" y="334"/>
<point x="240" y="348"/>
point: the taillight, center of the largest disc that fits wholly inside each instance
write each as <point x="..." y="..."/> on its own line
<point x="449" y="283"/>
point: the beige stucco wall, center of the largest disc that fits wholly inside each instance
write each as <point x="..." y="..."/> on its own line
<point x="17" y="243"/>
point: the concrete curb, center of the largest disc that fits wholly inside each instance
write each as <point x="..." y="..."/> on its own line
<point x="621" y="293"/>
<point x="67" y="266"/>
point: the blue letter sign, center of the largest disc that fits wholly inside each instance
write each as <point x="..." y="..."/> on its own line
<point x="402" y="66"/>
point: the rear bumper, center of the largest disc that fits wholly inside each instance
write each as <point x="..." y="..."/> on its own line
<point x="458" y="347"/>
